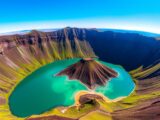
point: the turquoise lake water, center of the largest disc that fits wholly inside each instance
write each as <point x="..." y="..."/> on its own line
<point x="42" y="90"/>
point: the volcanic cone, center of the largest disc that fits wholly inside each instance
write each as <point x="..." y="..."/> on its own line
<point x="90" y="72"/>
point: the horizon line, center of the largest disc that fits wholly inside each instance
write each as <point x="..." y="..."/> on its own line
<point x="56" y="28"/>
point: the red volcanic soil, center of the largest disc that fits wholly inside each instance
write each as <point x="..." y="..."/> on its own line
<point x="90" y="72"/>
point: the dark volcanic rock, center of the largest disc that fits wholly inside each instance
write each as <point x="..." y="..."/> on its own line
<point x="89" y="98"/>
<point x="90" y="72"/>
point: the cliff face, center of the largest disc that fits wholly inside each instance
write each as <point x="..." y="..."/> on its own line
<point x="57" y="42"/>
<point x="127" y="49"/>
<point x="130" y="50"/>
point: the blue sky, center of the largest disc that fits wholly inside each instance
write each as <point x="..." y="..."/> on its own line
<point x="120" y="14"/>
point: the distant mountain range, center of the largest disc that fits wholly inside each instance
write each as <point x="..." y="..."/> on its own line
<point x="149" y="34"/>
<point x="22" y="32"/>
